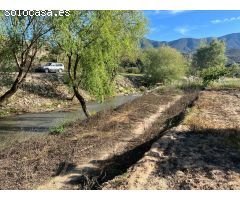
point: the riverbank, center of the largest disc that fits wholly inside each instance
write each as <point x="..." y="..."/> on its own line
<point x="50" y="92"/>
<point x="21" y="127"/>
<point x="62" y="161"/>
<point x="201" y="153"/>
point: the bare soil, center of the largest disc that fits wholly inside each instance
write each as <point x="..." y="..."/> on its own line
<point x="47" y="92"/>
<point x="201" y="153"/>
<point x="40" y="92"/>
<point x="39" y="162"/>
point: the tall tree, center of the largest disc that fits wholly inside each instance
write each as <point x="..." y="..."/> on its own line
<point x="94" y="42"/>
<point x="211" y="55"/>
<point x="24" y="37"/>
<point x="210" y="60"/>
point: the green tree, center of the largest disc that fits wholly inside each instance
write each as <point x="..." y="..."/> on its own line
<point x="24" y="35"/>
<point x="212" y="55"/>
<point x="95" y="42"/>
<point x="210" y="60"/>
<point x="164" y="64"/>
<point x="213" y="73"/>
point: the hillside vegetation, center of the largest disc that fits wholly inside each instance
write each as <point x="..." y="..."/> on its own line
<point x="189" y="45"/>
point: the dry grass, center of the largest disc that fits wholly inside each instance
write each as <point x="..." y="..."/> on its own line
<point x="215" y="110"/>
<point x="201" y="153"/>
<point x="28" y="164"/>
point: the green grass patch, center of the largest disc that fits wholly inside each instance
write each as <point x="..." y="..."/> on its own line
<point x="60" y="128"/>
<point x="231" y="83"/>
<point x="57" y="130"/>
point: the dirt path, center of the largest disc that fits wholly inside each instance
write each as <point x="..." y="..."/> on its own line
<point x="59" y="182"/>
<point x="201" y="153"/>
<point x="91" y="147"/>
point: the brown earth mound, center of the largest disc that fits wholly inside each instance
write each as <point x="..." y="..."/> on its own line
<point x="40" y="92"/>
<point x="47" y="92"/>
<point x="203" y="153"/>
<point x="35" y="162"/>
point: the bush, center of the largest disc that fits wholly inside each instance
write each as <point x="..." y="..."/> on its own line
<point x="164" y="64"/>
<point x="212" y="74"/>
<point x="234" y="70"/>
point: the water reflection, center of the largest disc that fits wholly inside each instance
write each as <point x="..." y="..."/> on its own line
<point x="42" y="122"/>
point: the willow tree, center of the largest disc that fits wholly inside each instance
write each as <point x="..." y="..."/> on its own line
<point x="94" y="43"/>
<point x="24" y="36"/>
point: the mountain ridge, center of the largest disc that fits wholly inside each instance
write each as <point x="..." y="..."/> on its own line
<point x="187" y="45"/>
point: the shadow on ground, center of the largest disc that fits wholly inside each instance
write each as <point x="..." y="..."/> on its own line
<point x="206" y="159"/>
<point x="193" y="153"/>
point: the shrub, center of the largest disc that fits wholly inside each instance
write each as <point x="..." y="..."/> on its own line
<point x="212" y="74"/>
<point x="164" y="64"/>
<point x="234" y="70"/>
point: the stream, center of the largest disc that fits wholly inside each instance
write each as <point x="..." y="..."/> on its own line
<point x="42" y="122"/>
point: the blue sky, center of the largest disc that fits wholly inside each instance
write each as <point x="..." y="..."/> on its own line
<point x="172" y="25"/>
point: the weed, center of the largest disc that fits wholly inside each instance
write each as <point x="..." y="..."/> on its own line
<point x="57" y="130"/>
<point x="61" y="126"/>
<point x="3" y="113"/>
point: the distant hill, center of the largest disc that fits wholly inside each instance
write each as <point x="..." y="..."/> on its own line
<point x="233" y="55"/>
<point x="189" y="45"/>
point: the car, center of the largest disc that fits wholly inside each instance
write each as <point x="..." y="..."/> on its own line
<point x="51" y="67"/>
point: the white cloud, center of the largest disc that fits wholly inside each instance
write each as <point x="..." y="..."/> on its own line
<point x="218" y="21"/>
<point x="182" y="30"/>
<point x="174" y="12"/>
<point x="169" y="12"/>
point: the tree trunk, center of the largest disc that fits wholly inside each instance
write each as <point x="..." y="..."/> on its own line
<point x="13" y="89"/>
<point x="82" y="101"/>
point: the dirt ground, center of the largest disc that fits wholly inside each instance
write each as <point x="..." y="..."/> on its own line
<point x="201" y="153"/>
<point x="47" y="92"/>
<point x="42" y="162"/>
<point x="40" y="92"/>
